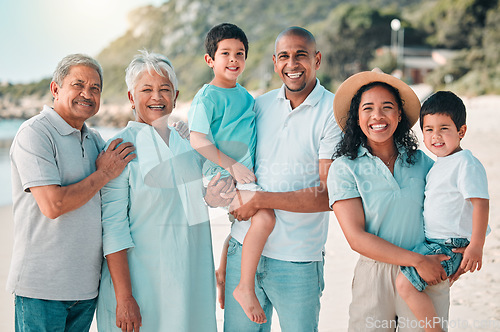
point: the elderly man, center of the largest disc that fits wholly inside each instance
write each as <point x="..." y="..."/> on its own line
<point x="296" y="137"/>
<point x="57" y="171"/>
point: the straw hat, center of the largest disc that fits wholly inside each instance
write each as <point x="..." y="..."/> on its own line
<point x="347" y="90"/>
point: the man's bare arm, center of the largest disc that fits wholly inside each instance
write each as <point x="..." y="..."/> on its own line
<point x="54" y="200"/>
<point x="308" y="200"/>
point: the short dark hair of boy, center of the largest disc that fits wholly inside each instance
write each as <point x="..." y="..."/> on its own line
<point x="221" y="32"/>
<point x="444" y="102"/>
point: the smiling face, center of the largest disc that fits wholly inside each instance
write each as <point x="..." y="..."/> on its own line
<point x="441" y="136"/>
<point x="79" y="96"/>
<point x="296" y="61"/>
<point x="379" y="116"/>
<point x="153" y="97"/>
<point x="228" y="62"/>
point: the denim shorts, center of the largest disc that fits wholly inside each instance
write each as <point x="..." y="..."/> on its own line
<point x="435" y="247"/>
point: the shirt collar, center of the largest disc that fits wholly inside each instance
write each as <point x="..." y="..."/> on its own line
<point x="62" y="127"/>
<point x="312" y="99"/>
<point x="364" y="151"/>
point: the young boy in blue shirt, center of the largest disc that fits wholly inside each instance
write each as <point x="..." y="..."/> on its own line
<point x="222" y="125"/>
<point x="456" y="203"/>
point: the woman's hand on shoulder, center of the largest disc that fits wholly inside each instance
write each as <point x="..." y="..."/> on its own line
<point x="128" y="315"/>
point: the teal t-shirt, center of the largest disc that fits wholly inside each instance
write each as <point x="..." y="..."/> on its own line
<point x="227" y="117"/>
<point x="393" y="204"/>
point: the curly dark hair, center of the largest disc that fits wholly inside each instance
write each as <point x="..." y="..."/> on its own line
<point x="353" y="137"/>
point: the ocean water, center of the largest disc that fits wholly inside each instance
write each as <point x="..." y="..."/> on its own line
<point x="8" y="129"/>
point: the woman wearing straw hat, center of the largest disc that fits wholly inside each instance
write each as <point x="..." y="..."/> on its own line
<point x="376" y="189"/>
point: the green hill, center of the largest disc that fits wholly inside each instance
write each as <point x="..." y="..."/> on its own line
<point x="348" y="33"/>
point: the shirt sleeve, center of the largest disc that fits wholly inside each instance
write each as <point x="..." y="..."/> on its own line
<point x="330" y="138"/>
<point x="115" y="219"/>
<point x="200" y="115"/>
<point x="341" y="182"/>
<point x="472" y="181"/>
<point x="34" y="157"/>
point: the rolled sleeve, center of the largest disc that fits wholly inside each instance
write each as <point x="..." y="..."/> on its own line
<point x="341" y="182"/>
<point x="330" y="139"/>
<point x="115" y="220"/>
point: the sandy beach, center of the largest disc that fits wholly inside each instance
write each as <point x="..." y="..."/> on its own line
<point x="475" y="298"/>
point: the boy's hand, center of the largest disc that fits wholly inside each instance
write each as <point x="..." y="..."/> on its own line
<point x="241" y="174"/>
<point x="220" y="192"/>
<point x="473" y="258"/>
<point x="220" y="275"/>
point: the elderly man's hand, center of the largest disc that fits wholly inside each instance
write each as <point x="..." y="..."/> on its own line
<point x="113" y="161"/>
<point x="220" y="192"/>
<point x="243" y="206"/>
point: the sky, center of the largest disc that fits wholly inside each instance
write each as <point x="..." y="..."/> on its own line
<point x="36" y="34"/>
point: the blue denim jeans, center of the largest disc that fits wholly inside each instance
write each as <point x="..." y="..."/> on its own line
<point x="435" y="247"/>
<point x="293" y="288"/>
<point x="35" y="315"/>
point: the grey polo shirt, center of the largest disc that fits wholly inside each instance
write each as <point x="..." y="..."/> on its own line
<point x="56" y="259"/>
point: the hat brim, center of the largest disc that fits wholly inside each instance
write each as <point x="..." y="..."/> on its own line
<point x="347" y="90"/>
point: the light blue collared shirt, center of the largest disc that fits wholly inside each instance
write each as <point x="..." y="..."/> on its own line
<point x="290" y="144"/>
<point x="155" y="209"/>
<point x="393" y="204"/>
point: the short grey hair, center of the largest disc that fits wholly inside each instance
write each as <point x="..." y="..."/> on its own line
<point x="64" y="66"/>
<point x="149" y="61"/>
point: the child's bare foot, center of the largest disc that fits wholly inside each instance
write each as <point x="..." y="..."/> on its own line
<point x="250" y="304"/>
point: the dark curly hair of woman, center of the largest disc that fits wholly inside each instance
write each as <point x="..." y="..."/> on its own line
<point x="354" y="137"/>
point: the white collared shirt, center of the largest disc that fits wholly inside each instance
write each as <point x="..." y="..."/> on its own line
<point x="290" y="143"/>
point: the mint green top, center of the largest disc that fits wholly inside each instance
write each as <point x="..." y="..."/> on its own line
<point x="227" y="117"/>
<point x="155" y="210"/>
<point x="393" y="204"/>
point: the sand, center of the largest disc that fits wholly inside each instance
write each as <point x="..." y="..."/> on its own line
<point x="475" y="298"/>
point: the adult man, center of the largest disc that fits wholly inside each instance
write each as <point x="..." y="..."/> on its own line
<point x="296" y="138"/>
<point x="57" y="172"/>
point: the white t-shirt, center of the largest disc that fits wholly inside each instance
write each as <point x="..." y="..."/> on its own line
<point x="451" y="182"/>
<point x="290" y="144"/>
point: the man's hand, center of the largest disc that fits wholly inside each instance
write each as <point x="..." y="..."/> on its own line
<point x="128" y="315"/>
<point x="431" y="270"/>
<point x="219" y="193"/>
<point x="243" y="206"/>
<point x="183" y="129"/>
<point x="113" y="161"/>
<point x="241" y="173"/>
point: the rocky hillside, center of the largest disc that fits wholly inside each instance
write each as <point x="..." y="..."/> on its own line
<point x="348" y="33"/>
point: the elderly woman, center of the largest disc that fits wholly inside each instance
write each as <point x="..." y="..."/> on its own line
<point x="376" y="189"/>
<point x="158" y="274"/>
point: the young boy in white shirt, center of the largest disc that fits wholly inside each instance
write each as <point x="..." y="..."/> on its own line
<point x="456" y="203"/>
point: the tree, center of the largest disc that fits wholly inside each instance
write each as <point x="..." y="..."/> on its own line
<point x="456" y="24"/>
<point x="352" y="34"/>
